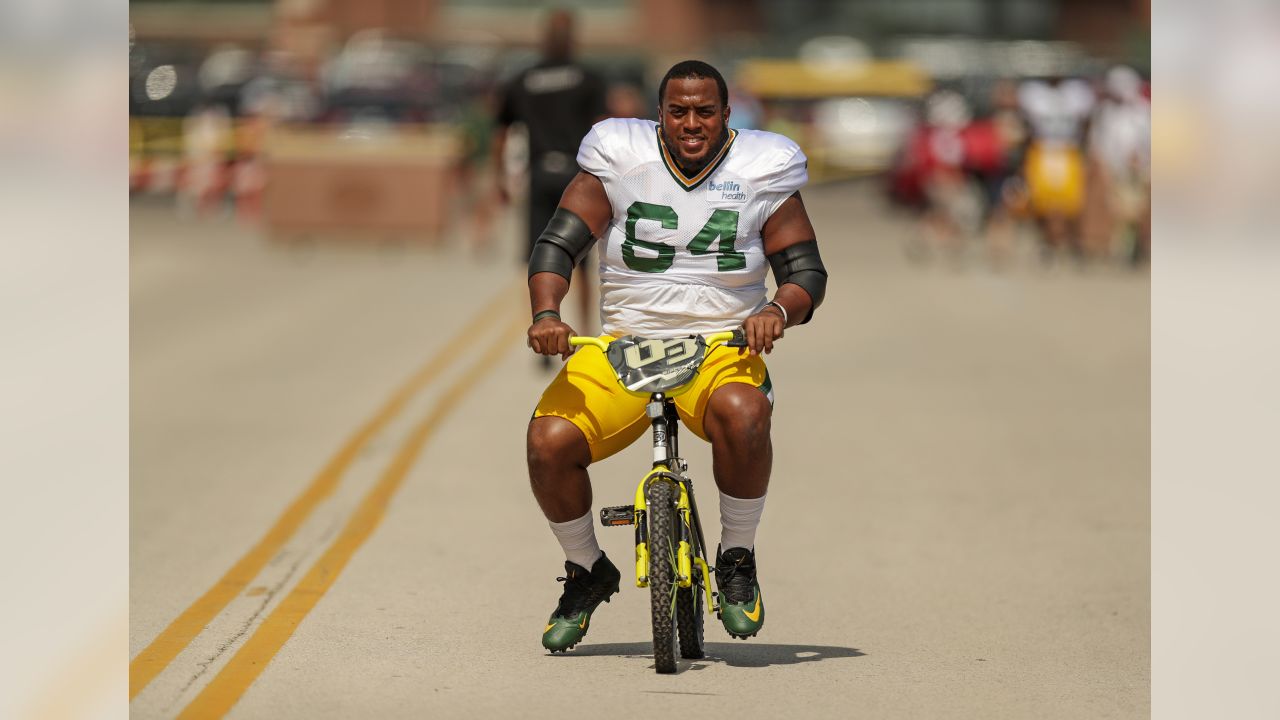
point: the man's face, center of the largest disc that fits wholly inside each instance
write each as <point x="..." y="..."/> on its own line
<point x="693" y="119"/>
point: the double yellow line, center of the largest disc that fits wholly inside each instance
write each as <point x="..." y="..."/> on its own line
<point x="252" y="658"/>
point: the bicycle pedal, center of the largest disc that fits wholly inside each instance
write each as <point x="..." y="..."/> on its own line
<point x="618" y="515"/>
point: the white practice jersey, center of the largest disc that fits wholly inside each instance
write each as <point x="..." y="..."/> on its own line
<point x="683" y="254"/>
<point x="1057" y="114"/>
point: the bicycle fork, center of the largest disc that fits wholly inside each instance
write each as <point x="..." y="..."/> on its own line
<point x="668" y="466"/>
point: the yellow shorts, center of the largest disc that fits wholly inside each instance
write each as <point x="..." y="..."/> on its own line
<point x="587" y="394"/>
<point x="1055" y="180"/>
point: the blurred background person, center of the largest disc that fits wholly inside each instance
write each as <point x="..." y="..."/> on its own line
<point x="1120" y="164"/>
<point x="475" y="193"/>
<point x="941" y="149"/>
<point x="1057" y="111"/>
<point x="212" y="135"/>
<point x="206" y="144"/>
<point x="998" y="147"/>
<point x="557" y="100"/>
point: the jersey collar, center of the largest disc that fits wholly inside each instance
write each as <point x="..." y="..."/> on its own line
<point x="689" y="183"/>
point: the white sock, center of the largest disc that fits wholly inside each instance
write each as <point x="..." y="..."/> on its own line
<point x="739" y="519"/>
<point x="578" y="538"/>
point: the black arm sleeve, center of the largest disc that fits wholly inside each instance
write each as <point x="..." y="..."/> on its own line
<point x="563" y="244"/>
<point x="800" y="264"/>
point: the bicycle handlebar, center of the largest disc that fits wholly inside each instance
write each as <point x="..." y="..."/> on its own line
<point x="712" y="340"/>
<point x="579" y="340"/>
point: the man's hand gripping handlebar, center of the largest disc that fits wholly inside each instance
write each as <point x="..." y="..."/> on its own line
<point x="550" y="335"/>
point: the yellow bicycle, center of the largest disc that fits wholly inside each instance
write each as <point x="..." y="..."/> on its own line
<point x="671" y="554"/>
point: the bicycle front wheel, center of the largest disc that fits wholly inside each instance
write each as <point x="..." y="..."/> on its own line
<point x="662" y="574"/>
<point x="689" y="618"/>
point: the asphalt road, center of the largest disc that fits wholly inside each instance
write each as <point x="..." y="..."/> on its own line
<point x="330" y="516"/>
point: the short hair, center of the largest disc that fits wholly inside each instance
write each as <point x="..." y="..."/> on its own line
<point x="694" y="69"/>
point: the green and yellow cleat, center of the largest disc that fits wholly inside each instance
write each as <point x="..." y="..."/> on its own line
<point x="562" y="633"/>
<point x="741" y="604"/>
<point x="583" y="591"/>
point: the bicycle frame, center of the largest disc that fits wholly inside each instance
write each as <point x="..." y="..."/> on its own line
<point x="668" y="466"/>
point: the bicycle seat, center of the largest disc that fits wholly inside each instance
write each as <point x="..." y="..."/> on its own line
<point x="645" y="365"/>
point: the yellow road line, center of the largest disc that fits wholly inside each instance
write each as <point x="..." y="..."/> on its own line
<point x="174" y="639"/>
<point x="243" y="669"/>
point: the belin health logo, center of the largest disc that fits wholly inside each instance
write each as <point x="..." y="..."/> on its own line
<point x="729" y="190"/>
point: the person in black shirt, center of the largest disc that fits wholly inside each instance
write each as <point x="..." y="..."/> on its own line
<point x="557" y="100"/>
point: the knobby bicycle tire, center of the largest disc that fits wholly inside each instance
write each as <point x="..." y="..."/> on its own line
<point x="689" y="619"/>
<point x="689" y="610"/>
<point x="662" y="553"/>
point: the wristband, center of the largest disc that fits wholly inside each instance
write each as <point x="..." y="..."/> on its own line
<point x="775" y="303"/>
<point x="546" y="313"/>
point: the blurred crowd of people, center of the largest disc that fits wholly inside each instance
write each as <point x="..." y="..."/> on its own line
<point x="1069" y="156"/>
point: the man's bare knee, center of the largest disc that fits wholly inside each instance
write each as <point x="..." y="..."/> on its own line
<point x="555" y="444"/>
<point x="738" y="412"/>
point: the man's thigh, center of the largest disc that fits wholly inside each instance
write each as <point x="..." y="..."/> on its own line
<point x="724" y="366"/>
<point x="587" y="394"/>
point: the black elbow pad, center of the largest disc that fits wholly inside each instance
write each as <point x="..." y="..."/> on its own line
<point x="563" y="244"/>
<point x="800" y="264"/>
